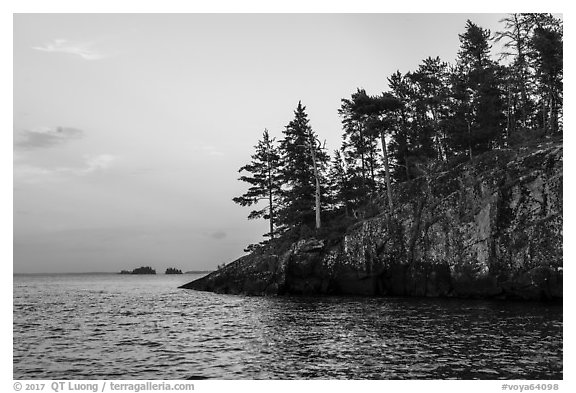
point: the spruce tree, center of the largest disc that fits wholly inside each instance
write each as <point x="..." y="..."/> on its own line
<point x="303" y="164"/>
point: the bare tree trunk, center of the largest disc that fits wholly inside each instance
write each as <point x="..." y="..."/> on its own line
<point x="270" y="197"/>
<point x="387" y="171"/>
<point x="270" y="202"/>
<point x="316" y="177"/>
<point x="346" y="210"/>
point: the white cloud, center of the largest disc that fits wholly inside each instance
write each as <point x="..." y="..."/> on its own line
<point x="81" y="49"/>
<point x="26" y="173"/>
<point x="45" y="137"/>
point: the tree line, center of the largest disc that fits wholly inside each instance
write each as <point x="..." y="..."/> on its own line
<point x="435" y="114"/>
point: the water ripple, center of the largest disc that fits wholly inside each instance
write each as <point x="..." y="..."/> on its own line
<point x="119" y="327"/>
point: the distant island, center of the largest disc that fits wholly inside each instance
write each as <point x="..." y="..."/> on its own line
<point x="170" y="270"/>
<point x="140" y="270"/>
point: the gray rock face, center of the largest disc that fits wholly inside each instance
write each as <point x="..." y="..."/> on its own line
<point x="489" y="228"/>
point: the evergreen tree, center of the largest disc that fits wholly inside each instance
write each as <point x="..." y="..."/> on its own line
<point x="478" y="116"/>
<point x="264" y="179"/>
<point x="380" y="112"/>
<point x="382" y="108"/>
<point x="415" y="126"/>
<point x="458" y="124"/>
<point x="535" y="42"/>
<point x="432" y="113"/>
<point x="431" y="92"/>
<point x="302" y="173"/>
<point x="359" y="145"/>
<point x="516" y="36"/>
<point x="401" y="124"/>
<point x="340" y="191"/>
<point x="547" y="52"/>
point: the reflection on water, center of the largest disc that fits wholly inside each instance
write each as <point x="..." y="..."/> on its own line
<point x="142" y="327"/>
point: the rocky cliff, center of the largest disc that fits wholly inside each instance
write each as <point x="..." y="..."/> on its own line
<point x="491" y="227"/>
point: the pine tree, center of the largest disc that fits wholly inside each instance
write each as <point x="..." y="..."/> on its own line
<point x="383" y="108"/>
<point x="516" y="36"/>
<point x="265" y="181"/>
<point x="339" y="187"/>
<point x="477" y="105"/>
<point x="415" y="125"/>
<point x="431" y="92"/>
<point x="547" y="52"/>
<point x="401" y="124"/>
<point x="359" y="144"/>
<point x="380" y="112"/>
<point x="302" y="173"/>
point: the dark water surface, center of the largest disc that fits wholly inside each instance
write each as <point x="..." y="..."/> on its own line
<point x="107" y="326"/>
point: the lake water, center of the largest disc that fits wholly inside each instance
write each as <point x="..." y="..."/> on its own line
<point x="108" y="326"/>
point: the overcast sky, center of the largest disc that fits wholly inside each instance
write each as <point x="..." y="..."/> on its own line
<point x="129" y="129"/>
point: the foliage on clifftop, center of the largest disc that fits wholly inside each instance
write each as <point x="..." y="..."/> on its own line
<point x="439" y="180"/>
<point x="490" y="227"/>
<point x="427" y="121"/>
